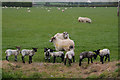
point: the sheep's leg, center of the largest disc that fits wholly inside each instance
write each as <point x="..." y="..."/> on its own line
<point x="102" y="59"/>
<point x="70" y="62"/>
<point x="88" y="60"/>
<point x="62" y="57"/>
<point x="54" y="59"/>
<point x="49" y="59"/>
<point x="16" y="58"/>
<point x="23" y="59"/>
<point x="30" y="59"/>
<point x="73" y="58"/>
<point x="108" y="57"/>
<point x="45" y="59"/>
<point x="91" y="60"/>
<point x="7" y="58"/>
<point x="80" y="62"/>
<point x="65" y="61"/>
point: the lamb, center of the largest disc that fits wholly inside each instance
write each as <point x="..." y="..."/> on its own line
<point x="88" y="55"/>
<point x="49" y="52"/>
<point x="84" y="19"/>
<point x="12" y="52"/>
<point x="62" y="45"/>
<point x="102" y="53"/>
<point x="62" y="36"/>
<point x="25" y="52"/>
<point x="69" y="55"/>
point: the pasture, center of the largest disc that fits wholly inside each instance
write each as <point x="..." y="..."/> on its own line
<point x="35" y="28"/>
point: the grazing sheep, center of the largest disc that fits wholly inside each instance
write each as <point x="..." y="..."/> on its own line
<point x="49" y="52"/>
<point x="63" y="45"/>
<point x="88" y="55"/>
<point x="62" y="36"/>
<point x="12" y="52"/>
<point x="102" y="53"/>
<point x="25" y="52"/>
<point x="69" y="55"/>
<point x="84" y="19"/>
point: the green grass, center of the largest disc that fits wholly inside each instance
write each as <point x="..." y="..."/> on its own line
<point x="34" y="29"/>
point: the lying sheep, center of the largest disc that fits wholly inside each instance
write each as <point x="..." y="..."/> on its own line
<point x="25" y="52"/>
<point x="62" y="36"/>
<point x="69" y="55"/>
<point x="49" y="52"/>
<point x="84" y="19"/>
<point x="88" y="55"/>
<point x="62" y="45"/>
<point x="12" y="52"/>
<point x="102" y="53"/>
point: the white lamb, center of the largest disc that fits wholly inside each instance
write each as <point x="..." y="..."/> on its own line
<point x="102" y="53"/>
<point x="69" y="55"/>
<point x="49" y="52"/>
<point x="62" y="36"/>
<point x="25" y="52"/>
<point x="12" y="52"/>
<point x="84" y="19"/>
<point x="61" y="45"/>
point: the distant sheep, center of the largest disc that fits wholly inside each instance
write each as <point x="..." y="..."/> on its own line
<point x="102" y="53"/>
<point x="25" y="52"/>
<point x="88" y="55"/>
<point x="69" y="55"/>
<point x="62" y="36"/>
<point x="49" y="53"/>
<point x="12" y="52"/>
<point x="62" y="45"/>
<point x="84" y="19"/>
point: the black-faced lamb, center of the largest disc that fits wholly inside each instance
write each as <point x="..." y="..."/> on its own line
<point x="30" y="53"/>
<point x="87" y="54"/>
<point x="49" y="53"/>
<point x="103" y="53"/>
<point x="62" y="45"/>
<point x="69" y="55"/>
<point x="12" y="52"/>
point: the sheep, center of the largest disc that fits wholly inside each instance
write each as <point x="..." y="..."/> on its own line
<point x="84" y="19"/>
<point x="62" y="45"/>
<point x="102" y="53"/>
<point x="49" y="52"/>
<point x="87" y="54"/>
<point x="62" y="10"/>
<point x="69" y="55"/>
<point x="25" y="52"/>
<point x="12" y="52"/>
<point x="62" y="36"/>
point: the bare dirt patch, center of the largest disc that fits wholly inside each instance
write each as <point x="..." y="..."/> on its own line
<point x="59" y="69"/>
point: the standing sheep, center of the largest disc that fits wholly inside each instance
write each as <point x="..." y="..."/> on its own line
<point x="102" y="53"/>
<point x="88" y="55"/>
<point x="49" y="52"/>
<point x="25" y="52"/>
<point x="12" y="52"/>
<point x="69" y="55"/>
<point x="63" y="45"/>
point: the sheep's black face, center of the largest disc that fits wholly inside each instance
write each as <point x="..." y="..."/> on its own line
<point x="35" y="49"/>
<point x="45" y="49"/>
<point x="18" y="48"/>
<point x="52" y="39"/>
<point x="97" y="51"/>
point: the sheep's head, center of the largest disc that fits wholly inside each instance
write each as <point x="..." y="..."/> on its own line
<point x="18" y="47"/>
<point x="45" y="49"/>
<point x="97" y="51"/>
<point x="95" y="56"/>
<point x="52" y="39"/>
<point x="65" y="35"/>
<point x="35" y="49"/>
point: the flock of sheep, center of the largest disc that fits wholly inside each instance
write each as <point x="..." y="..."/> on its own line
<point x="62" y="42"/>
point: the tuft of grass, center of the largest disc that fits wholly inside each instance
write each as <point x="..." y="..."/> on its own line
<point x="92" y="77"/>
<point x="35" y="75"/>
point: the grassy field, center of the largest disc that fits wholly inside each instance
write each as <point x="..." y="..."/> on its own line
<point x="34" y="29"/>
